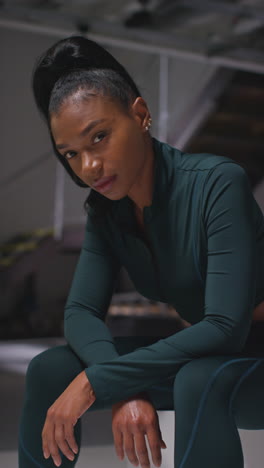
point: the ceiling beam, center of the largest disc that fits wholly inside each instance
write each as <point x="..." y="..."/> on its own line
<point x="129" y="44"/>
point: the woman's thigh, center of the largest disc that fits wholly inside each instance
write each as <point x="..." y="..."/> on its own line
<point x="239" y="377"/>
<point x="54" y="369"/>
<point x="51" y="371"/>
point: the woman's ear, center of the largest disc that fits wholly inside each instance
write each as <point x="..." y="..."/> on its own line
<point x="141" y="113"/>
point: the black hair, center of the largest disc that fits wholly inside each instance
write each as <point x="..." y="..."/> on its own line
<point x="94" y="81"/>
<point x="78" y="63"/>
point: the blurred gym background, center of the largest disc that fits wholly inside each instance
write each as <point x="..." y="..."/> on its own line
<point x="199" y="65"/>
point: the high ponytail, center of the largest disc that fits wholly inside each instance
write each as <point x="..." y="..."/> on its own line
<point x="64" y="57"/>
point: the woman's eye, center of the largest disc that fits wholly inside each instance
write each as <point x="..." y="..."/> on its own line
<point x="70" y="154"/>
<point x="99" y="137"/>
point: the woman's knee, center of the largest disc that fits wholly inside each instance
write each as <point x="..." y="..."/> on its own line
<point x="248" y="405"/>
<point x="55" y="365"/>
<point x="202" y="375"/>
<point x="213" y="377"/>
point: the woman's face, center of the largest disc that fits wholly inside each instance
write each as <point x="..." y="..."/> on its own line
<point x="100" y="140"/>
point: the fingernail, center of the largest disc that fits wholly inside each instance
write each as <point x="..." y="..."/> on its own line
<point x="75" y="450"/>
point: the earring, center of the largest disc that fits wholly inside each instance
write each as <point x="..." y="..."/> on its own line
<point x="148" y="124"/>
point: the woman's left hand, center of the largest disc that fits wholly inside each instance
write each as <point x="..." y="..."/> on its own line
<point x="58" y="430"/>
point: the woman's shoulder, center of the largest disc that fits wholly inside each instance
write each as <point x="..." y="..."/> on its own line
<point x="185" y="161"/>
<point x="206" y="162"/>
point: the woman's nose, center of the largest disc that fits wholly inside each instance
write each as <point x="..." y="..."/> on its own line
<point x="91" y="167"/>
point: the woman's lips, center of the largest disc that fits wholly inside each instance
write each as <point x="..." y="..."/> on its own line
<point x="105" y="185"/>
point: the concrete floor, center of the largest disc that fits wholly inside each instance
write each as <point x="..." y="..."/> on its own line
<point x="98" y="450"/>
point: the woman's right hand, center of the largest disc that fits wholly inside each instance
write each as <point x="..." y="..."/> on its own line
<point x="132" y="420"/>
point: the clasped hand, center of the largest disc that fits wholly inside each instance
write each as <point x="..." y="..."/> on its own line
<point x="58" y="430"/>
<point x="132" y="420"/>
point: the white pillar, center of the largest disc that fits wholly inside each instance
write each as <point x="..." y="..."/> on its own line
<point x="58" y="216"/>
<point x="163" y="98"/>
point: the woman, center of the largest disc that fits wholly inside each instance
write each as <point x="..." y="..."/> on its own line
<point x="189" y="232"/>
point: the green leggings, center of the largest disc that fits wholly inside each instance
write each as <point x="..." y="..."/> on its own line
<point x="212" y="397"/>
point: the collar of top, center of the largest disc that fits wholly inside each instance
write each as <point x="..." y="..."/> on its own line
<point x="124" y="208"/>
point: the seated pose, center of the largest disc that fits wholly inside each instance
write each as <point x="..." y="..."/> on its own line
<point x="189" y="232"/>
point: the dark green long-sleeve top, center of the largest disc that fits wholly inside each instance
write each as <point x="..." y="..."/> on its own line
<point x="205" y="257"/>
